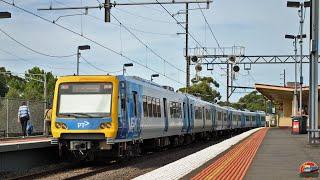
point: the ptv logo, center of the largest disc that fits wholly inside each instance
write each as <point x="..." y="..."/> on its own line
<point x="83" y="124"/>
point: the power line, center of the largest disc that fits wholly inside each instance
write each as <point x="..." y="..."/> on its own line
<point x="33" y="50"/>
<point x="93" y="41"/>
<point x="130" y="27"/>
<point x="146" y="45"/>
<point x="143" y="17"/>
<point x="213" y="35"/>
<point x="183" y="28"/>
<point x="18" y="58"/>
<point x="96" y="67"/>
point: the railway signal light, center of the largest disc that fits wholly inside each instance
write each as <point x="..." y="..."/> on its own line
<point x="194" y="59"/>
<point x="236" y="68"/>
<point x="198" y="67"/>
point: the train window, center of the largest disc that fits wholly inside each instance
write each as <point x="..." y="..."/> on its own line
<point x="234" y="118"/>
<point x="171" y="109"/>
<point x="247" y="118"/>
<point x="135" y="102"/>
<point x="145" y="106"/>
<point x="154" y="107"/>
<point x="179" y="111"/>
<point x="208" y="114"/>
<point x="149" y="100"/>
<point x="158" y="107"/>
<point x="225" y="117"/>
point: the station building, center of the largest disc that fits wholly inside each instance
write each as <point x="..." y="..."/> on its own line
<point x="282" y="96"/>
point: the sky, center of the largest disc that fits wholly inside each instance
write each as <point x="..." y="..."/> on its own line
<point x="259" y="26"/>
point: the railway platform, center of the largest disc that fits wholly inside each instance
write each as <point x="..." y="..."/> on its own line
<point x="15" y="144"/>
<point x="265" y="153"/>
<point x="24" y="153"/>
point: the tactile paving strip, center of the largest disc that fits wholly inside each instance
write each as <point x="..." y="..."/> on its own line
<point x="235" y="163"/>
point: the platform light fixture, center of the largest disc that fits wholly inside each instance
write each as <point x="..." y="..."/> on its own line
<point x="83" y="47"/>
<point x="4" y="15"/>
<point x="126" y="65"/>
<point x="154" y="75"/>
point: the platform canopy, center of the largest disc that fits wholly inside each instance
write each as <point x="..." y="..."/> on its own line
<point x="281" y="93"/>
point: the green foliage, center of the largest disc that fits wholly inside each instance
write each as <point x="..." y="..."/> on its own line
<point x="203" y="88"/>
<point x="3" y="82"/>
<point x="31" y="87"/>
<point x="252" y="101"/>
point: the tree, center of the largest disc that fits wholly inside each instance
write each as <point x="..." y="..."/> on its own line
<point x="34" y="87"/>
<point x="3" y="82"/>
<point x="203" y="88"/>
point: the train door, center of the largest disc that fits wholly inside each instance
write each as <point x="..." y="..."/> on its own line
<point x="165" y="112"/>
<point x="185" y="118"/>
<point x="134" y="114"/>
<point x="122" y="122"/>
<point x="191" y="116"/>
<point x="203" y="118"/>
<point x="213" y="117"/>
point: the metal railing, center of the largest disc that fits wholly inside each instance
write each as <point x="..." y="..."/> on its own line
<point x="9" y="116"/>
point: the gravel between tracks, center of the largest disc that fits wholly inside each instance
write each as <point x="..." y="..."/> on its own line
<point x="130" y="168"/>
<point x="125" y="169"/>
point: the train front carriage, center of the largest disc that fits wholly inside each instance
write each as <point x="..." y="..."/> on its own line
<point x="85" y="112"/>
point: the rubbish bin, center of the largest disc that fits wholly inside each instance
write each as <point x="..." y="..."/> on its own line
<point x="295" y="125"/>
<point x="299" y="125"/>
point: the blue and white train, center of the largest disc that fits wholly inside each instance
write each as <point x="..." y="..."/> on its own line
<point x="120" y="115"/>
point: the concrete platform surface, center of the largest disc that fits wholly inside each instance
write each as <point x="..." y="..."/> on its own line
<point x="280" y="156"/>
<point x="16" y="144"/>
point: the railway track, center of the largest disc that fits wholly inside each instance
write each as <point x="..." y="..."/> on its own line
<point x="124" y="169"/>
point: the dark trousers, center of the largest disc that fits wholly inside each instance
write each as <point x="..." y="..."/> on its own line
<point x="24" y="121"/>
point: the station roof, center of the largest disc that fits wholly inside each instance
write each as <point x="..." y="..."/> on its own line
<point x="280" y="93"/>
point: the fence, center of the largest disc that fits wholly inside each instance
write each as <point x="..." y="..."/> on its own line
<point x="9" y="116"/>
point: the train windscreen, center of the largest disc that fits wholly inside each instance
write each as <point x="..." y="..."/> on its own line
<point x="84" y="100"/>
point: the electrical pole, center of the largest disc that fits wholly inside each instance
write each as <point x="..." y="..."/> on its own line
<point x="313" y="95"/>
<point x="228" y="82"/>
<point x="45" y="99"/>
<point x="301" y="53"/>
<point x="78" y="57"/>
<point x="187" y="47"/>
<point x="295" y="96"/>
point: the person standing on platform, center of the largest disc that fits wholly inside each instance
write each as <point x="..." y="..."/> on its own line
<point x="47" y="120"/>
<point x="23" y="117"/>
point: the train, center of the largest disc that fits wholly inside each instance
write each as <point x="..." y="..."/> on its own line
<point x="121" y="116"/>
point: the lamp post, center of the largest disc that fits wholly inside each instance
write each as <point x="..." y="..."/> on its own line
<point x="4" y="15"/>
<point x="124" y="67"/>
<point x="302" y="5"/>
<point x="84" y="47"/>
<point x="295" y="72"/>
<point x="154" y="75"/>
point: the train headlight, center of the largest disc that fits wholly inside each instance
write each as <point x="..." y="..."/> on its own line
<point x="64" y="126"/>
<point x="105" y="125"/>
<point x="60" y="125"/>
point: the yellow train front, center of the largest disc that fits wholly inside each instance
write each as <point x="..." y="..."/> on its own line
<point x="85" y="113"/>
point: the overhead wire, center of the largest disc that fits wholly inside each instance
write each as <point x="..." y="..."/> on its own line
<point x="130" y="27"/>
<point x="91" y="40"/>
<point x="143" y="17"/>
<point x="96" y="67"/>
<point x="146" y="45"/>
<point x="18" y="58"/>
<point x="33" y="50"/>
<point x="191" y="35"/>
